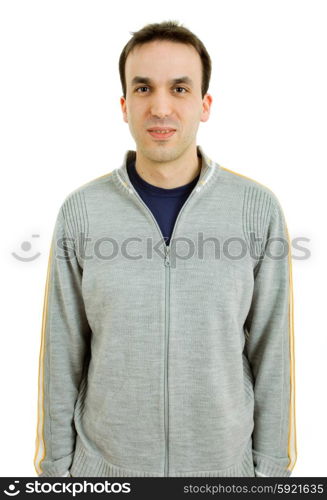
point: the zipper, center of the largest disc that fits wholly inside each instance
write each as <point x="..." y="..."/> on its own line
<point x="167" y="312"/>
<point x="167" y="263"/>
<point x="166" y="400"/>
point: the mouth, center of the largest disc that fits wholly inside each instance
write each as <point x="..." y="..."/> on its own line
<point x="161" y="133"/>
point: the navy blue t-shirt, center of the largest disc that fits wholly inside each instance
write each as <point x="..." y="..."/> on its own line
<point x="165" y="204"/>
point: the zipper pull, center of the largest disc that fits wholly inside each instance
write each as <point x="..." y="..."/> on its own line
<point x="167" y="261"/>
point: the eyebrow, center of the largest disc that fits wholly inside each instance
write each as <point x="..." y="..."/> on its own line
<point x="173" y="81"/>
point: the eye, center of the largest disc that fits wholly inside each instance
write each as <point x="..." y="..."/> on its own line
<point x="144" y="87"/>
<point x="182" y="89"/>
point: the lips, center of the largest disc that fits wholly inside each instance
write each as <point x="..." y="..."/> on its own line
<point x="161" y="132"/>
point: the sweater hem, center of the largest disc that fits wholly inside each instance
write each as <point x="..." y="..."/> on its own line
<point x="87" y="464"/>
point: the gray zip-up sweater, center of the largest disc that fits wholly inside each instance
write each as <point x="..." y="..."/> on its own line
<point x="171" y="360"/>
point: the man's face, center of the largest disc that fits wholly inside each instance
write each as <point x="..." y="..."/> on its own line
<point x="154" y="99"/>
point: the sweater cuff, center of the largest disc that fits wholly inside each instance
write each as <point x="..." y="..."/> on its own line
<point x="269" y="466"/>
<point x="57" y="468"/>
<point x="257" y="473"/>
<point x="54" y="474"/>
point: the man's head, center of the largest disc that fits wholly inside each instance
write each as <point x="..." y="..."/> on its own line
<point x="165" y="72"/>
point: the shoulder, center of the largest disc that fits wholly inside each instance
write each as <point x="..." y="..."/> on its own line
<point x="75" y="202"/>
<point x="254" y="193"/>
<point x="91" y="186"/>
<point x="73" y="215"/>
<point x="260" y="206"/>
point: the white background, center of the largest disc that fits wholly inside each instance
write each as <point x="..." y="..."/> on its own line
<point x="61" y="126"/>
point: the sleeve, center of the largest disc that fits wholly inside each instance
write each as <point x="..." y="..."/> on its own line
<point x="65" y="340"/>
<point x="270" y="350"/>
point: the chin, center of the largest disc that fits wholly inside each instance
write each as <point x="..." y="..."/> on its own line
<point x="162" y="152"/>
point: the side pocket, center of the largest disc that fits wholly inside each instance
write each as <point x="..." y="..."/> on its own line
<point x="79" y="404"/>
<point x="248" y="382"/>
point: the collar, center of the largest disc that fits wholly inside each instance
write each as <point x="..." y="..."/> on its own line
<point x="208" y="170"/>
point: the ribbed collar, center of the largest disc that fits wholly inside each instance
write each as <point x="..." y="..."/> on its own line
<point x="141" y="184"/>
<point x="209" y="169"/>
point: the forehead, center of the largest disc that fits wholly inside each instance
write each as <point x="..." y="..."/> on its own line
<point x="163" y="60"/>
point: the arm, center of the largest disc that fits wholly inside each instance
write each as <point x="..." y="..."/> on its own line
<point x="270" y="351"/>
<point x="64" y="345"/>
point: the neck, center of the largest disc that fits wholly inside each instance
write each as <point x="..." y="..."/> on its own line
<point x="169" y="174"/>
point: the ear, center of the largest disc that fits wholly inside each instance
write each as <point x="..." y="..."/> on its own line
<point x="206" y="104"/>
<point x="124" y="108"/>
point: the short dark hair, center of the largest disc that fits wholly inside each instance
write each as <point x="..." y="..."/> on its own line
<point x="172" y="31"/>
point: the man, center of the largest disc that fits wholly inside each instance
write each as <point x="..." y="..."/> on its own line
<point x="167" y="337"/>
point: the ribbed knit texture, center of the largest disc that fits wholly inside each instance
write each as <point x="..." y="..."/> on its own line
<point x="256" y="212"/>
<point x="91" y="465"/>
<point x="168" y="365"/>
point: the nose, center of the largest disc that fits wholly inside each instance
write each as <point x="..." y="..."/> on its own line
<point x="160" y="105"/>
